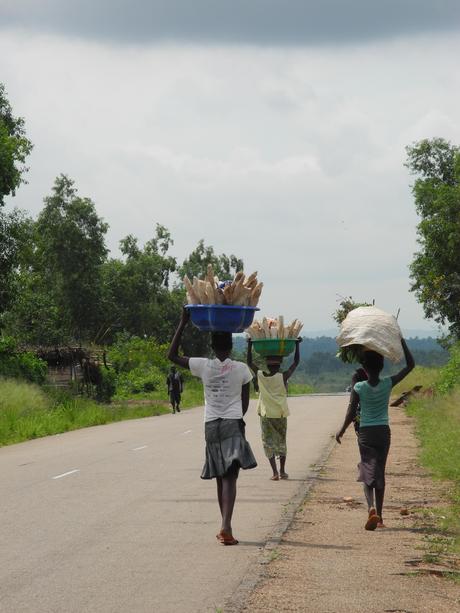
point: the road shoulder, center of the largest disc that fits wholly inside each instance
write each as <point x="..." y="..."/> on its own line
<point x="325" y="561"/>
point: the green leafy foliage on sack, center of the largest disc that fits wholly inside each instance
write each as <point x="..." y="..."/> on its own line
<point x="20" y="364"/>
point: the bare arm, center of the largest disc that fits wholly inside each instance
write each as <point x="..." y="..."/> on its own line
<point x="350" y="415"/>
<point x="409" y="365"/>
<point x="245" y="397"/>
<point x="173" y="352"/>
<point x="249" y="361"/>
<point x="295" y="363"/>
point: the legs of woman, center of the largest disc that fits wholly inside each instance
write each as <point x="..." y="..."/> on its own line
<point x="369" y="493"/>
<point x="379" y="496"/>
<point x="228" y="501"/>
<point x="226" y="494"/>
<point x="283" y="473"/>
<point x="219" y="492"/>
<point x="272" y="461"/>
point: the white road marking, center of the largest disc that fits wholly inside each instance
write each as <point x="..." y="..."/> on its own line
<point x="139" y="448"/>
<point x="186" y="432"/>
<point x="70" y="472"/>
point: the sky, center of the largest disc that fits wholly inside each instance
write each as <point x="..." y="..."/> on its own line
<point x="272" y="130"/>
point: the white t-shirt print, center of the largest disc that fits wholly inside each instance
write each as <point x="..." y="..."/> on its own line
<point x="222" y="386"/>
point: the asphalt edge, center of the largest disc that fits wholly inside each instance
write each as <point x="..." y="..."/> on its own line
<point x="257" y="570"/>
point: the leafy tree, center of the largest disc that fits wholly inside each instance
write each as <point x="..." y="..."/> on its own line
<point x="225" y="266"/>
<point x="435" y="269"/>
<point x="14" y="148"/>
<point x="16" y="232"/>
<point x="137" y="294"/>
<point x="60" y="277"/>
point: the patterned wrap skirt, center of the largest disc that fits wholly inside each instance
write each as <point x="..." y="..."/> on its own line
<point x="274" y="435"/>
<point x="227" y="449"/>
<point x="374" y="445"/>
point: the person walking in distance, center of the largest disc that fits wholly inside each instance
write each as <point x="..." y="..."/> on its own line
<point x="226" y="390"/>
<point x="272" y="407"/>
<point x="175" y="385"/>
<point x="374" y="434"/>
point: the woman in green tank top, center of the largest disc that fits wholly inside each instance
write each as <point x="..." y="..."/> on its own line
<point x="272" y="407"/>
<point x="374" y="436"/>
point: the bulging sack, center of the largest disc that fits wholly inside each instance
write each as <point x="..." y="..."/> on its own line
<point x="373" y="329"/>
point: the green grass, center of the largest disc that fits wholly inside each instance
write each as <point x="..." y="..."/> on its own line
<point x="421" y="375"/>
<point x="27" y="412"/>
<point x="299" y="389"/>
<point x="192" y="395"/>
<point x="438" y="428"/>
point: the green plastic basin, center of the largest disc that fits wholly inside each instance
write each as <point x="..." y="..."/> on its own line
<point x="274" y="346"/>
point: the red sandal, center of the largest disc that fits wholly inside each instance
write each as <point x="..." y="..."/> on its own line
<point x="226" y="539"/>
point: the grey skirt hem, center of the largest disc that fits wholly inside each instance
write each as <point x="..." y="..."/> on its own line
<point x="226" y="448"/>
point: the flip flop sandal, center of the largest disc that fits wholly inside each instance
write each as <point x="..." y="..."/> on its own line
<point x="274" y="478"/>
<point x="372" y="522"/>
<point x="284" y="476"/>
<point x="227" y="539"/>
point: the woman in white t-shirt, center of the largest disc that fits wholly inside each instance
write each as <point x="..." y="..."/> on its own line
<point x="226" y="389"/>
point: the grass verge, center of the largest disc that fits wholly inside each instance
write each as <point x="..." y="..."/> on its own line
<point x="438" y="428"/>
<point x="27" y="412"/>
<point x="300" y="389"/>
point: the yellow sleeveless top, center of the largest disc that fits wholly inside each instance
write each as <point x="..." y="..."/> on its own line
<point x="272" y="397"/>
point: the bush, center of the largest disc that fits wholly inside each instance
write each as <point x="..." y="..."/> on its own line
<point x="108" y="385"/>
<point x="18" y="364"/>
<point x="129" y="353"/>
<point x="139" y="381"/>
<point x="449" y="375"/>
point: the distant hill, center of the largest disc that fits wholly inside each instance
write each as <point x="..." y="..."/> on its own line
<point x="320" y="367"/>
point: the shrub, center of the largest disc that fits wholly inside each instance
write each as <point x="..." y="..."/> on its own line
<point x="18" y="364"/>
<point x="139" y="380"/>
<point x="449" y="375"/>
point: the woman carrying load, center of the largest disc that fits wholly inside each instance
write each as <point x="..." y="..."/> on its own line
<point x="374" y="434"/>
<point x="273" y="407"/>
<point x="226" y="389"/>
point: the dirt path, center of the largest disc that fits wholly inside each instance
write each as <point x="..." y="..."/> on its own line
<point x="327" y="562"/>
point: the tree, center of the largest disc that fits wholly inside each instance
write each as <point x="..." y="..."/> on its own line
<point x="225" y="266"/>
<point x="435" y="269"/>
<point x="137" y="294"/>
<point x="14" y="148"/>
<point x="67" y="261"/>
<point x="15" y="234"/>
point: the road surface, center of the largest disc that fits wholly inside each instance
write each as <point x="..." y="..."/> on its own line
<point x="115" y="519"/>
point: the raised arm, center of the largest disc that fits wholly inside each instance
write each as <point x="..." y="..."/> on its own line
<point x="249" y="361"/>
<point x="295" y="363"/>
<point x="350" y="415"/>
<point x="409" y="365"/>
<point x="173" y="352"/>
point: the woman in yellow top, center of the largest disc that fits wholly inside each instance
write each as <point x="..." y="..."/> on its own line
<point x="273" y="407"/>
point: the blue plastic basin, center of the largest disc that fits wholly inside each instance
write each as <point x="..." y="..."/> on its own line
<point x="221" y="317"/>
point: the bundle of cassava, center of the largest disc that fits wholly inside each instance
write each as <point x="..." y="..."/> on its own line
<point x="242" y="291"/>
<point x="274" y="328"/>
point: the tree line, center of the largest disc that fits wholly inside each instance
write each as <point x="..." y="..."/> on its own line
<point x="59" y="283"/>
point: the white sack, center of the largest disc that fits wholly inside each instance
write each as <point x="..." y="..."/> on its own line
<point x="373" y="328"/>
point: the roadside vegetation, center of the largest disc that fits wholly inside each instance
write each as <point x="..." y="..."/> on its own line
<point x="438" y="428"/>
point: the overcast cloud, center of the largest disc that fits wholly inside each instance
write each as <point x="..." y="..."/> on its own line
<point x="291" y="157"/>
<point x="266" y="22"/>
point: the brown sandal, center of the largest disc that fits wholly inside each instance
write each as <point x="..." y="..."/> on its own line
<point x="227" y="539"/>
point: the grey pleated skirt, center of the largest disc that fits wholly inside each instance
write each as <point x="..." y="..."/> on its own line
<point x="226" y="448"/>
<point x="374" y="445"/>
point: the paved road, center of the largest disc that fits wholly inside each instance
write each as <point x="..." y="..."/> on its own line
<point x="116" y="519"/>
